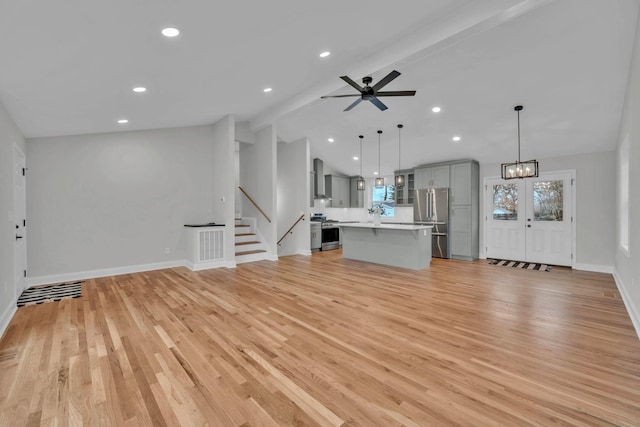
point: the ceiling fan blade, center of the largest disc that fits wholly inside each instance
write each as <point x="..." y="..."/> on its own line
<point x="397" y="93"/>
<point x="375" y="101"/>
<point x="386" y="80"/>
<point x="356" y="102"/>
<point x="339" y="96"/>
<point x="352" y="83"/>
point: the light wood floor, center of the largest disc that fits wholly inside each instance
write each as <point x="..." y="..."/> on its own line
<point x="325" y="341"/>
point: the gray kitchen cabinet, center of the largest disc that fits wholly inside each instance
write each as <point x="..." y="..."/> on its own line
<point x="432" y="177"/>
<point x="338" y="188"/>
<point x="405" y="194"/>
<point x="357" y="196"/>
<point x="316" y="236"/>
<point x="460" y="232"/>
<point x="464" y="209"/>
<point x="312" y="188"/>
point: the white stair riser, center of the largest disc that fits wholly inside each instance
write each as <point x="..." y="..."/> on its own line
<point x="251" y="257"/>
<point x="251" y="247"/>
<point x="250" y="238"/>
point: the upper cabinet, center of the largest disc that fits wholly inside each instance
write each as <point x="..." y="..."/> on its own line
<point x="405" y="194"/>
<point x="338" y="188"/>
<point x="432" y="177"/>
<point x="461" y="184"/>
<point x="357" y="196"/>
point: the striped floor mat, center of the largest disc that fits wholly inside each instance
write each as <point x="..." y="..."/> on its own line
<point x="49" y="293"/>
<point x="521" y="264"/>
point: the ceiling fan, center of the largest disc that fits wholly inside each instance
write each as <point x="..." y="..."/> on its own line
<point x="372" y="93"/>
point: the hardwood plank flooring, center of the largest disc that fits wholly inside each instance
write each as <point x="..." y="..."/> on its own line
<point x="326" y="341"/>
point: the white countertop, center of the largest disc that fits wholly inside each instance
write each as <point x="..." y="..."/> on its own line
<point x="409" y="227"/>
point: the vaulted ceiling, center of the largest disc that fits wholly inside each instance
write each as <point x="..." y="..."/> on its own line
<point x="68" y="67"/>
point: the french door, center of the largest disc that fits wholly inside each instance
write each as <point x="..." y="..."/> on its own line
<point x="530" y="219"/>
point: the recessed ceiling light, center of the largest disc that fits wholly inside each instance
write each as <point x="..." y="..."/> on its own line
<point x="456" y="138"/>
<point x="330" y="139"/>
<point x="355" y="157"/>
<point x="375" y="173"/>
<point x="267" y="89"/>
<point x="170" y="32"/>
<point x="436" y="109"/>
<point x="139" y="89"/>
<point x="123" y="121"/>
<point x="325" y="54"/>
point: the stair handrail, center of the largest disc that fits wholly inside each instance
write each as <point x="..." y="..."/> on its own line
<point x="255" y="204"/>
<point x="291" y="228"/>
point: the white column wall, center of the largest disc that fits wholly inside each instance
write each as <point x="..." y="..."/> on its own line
<point x="10" y="135"/>
<point x="222" y="183"/>
<point x="109" y="201"/>
<point x="627" y="265"/>
<point x="293" y="197"/>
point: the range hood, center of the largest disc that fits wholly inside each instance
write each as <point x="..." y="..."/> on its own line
<point x="318" y="180"/>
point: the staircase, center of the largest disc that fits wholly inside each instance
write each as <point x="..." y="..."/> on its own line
<point x="248" y="247"/>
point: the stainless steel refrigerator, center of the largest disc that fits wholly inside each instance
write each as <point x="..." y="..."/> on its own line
<point x="431" y="207"/>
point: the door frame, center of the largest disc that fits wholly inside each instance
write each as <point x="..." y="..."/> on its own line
<point x="19" y="151"/>
<point x="574" y="211"/>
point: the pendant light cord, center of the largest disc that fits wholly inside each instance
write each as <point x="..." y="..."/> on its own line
<point x="361" y="138"/>
<point x="518" y="136"/>
<point x="399" y="147"/>
<point x="379" y="171"/>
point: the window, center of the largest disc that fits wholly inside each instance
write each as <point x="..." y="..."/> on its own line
<point x="384" y="197"/>
<point x="623" y="195"/>
<point x="505" y="202"/>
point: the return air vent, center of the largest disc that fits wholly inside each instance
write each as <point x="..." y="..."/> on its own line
<point x="210" y="245"/>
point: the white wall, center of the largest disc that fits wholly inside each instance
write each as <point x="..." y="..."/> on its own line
<point x="595" y="205"/>
<point x="627" y="265"/>
<point x="258" y="176"/>
<point x="113" y="200"/>
<point x="293" y="197"/>
<point x="223" y="182"/>
<point x="9" y="135"/>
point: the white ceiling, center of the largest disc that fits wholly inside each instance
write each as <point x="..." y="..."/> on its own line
<point x="68" y="67"/>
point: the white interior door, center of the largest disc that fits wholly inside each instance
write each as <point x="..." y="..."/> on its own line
<point x="505" y="219"/>
<point x="19" y="219"/>
<point x="549" y="219"/>
<point x="531" y="219"/>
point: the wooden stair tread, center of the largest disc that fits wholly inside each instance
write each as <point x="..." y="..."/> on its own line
<point x="242" y="225"/>
<point x="247" y="243"/>
<point x="245" y="234"/>
<point x="257" y="251"/>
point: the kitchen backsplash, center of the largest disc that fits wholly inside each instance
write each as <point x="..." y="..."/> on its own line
<point x="362" y="215"/>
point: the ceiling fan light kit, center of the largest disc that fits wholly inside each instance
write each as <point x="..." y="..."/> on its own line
<point x="519" y="169"/>
<point x="372" y="93"/>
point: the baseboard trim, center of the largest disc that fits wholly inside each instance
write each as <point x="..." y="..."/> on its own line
<point x="205" y="265"/>
<point x="91" y="274"/>
<point x="633" y="313"/>
<point x="306" y="252"/>
<point x="6" y="317"/>
<point x="593" y="267"/>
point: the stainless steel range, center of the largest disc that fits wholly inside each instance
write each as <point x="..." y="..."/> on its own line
<point x="330" y="232"/>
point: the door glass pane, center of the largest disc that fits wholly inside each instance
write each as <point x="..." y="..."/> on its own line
<point x="505" y="202"/>
<point x="547" y="200"/>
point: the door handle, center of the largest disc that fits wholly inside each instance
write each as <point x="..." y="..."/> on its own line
<point x="18" y="237"/>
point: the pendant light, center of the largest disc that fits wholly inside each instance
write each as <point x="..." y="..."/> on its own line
<point x="519" y="169"/>
<point x="399" y="177"/>
<point x="360" y="181"/>
<point x="379" y="179"/>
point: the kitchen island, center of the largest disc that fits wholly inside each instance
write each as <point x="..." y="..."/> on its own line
<point x="398" y="245"/>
